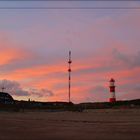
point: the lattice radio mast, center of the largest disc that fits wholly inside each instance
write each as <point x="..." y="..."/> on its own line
<point x="69" y="81"/>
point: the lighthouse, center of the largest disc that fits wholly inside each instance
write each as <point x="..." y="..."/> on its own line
<point x="112" y="90"/>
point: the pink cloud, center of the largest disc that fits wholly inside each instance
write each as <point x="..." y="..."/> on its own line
<point x="101" y="48"/>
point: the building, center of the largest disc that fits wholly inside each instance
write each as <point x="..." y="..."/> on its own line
<point x="6" y="98"/>
<point x="112" y="90"/>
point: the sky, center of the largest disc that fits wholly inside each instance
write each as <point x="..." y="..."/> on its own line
<point x="34" y="46"/>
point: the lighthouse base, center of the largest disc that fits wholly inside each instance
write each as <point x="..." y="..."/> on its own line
<point x="111" y="100"/>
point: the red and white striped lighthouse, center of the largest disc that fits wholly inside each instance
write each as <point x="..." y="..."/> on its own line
<point x="112" y="90"/>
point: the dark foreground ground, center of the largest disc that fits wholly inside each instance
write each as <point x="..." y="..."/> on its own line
<point x="109" y="124"/>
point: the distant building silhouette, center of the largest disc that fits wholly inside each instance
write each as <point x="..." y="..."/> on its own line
<point x="6" y="98"/>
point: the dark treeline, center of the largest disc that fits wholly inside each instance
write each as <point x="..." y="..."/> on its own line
<point x="65" y="106"/>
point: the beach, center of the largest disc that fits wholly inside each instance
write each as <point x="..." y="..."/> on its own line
<point x="101" y="124"/>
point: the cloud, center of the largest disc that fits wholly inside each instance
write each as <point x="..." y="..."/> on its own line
<point x="41" y="92"/>
<point x="14" y="88"/>
<point x="102" y="47"/>
<point x="99" y="93"/>
<point x="9" y="55"/>
<point x="129" y="60"/>
<point x="13" y="53"/>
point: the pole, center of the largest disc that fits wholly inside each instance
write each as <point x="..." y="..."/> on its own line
<point x="69" y="71"/>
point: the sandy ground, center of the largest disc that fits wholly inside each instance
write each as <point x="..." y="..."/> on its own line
<point x="108" y="124"/>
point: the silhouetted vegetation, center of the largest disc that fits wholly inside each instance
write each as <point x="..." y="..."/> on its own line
<point x="65" y="106"/>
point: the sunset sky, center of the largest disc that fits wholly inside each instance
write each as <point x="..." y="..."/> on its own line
<point x="105" y="43"/>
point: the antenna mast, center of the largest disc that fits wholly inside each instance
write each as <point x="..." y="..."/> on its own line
<point x="3" y="87"/>
<point x="69" y="71"/>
